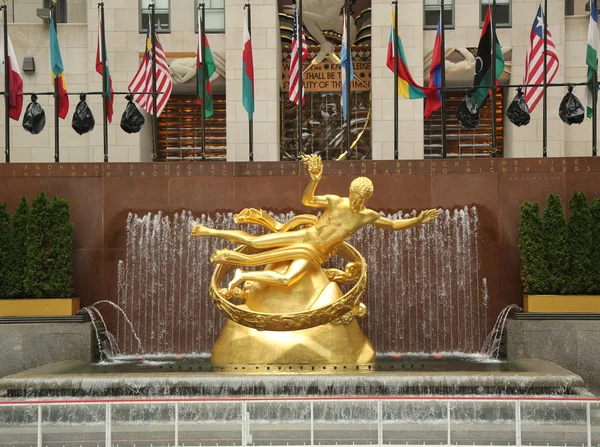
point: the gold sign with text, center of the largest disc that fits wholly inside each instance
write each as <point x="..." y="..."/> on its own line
<point x="327" y="76"/>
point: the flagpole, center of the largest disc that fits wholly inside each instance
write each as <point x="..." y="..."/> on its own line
<point x="545" y="105"/>
<point x="6" y="86"/>
<point x="56" y="95"/>
<point x="594" y="106"/>
<point x="494" y="75"/>
<point x="443" y="44"/>
<point x="395" y="48"/>
<point x="299" y="31"/>
<point x="105" y="90"/>
<point x="250" y="120"/>
<point x="203" y="71"/>
<point x="154" y="94"/>
<point x="348" y="84"/>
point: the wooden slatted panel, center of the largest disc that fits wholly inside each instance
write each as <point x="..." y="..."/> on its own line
<point x="463" y="142"/>
<point x="180" y="130"/>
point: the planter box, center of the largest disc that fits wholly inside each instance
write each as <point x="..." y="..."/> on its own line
<point x="561" y="303"/>
<point x="40" y="307"/>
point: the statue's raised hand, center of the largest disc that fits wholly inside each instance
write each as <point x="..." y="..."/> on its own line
<point x="428" y="215"/>
<point x="314" y="164"/>
<point x="200" y="230"/>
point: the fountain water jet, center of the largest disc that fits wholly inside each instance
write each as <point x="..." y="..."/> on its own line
<point x="491" y="346"/>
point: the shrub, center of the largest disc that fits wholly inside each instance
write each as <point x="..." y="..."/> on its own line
<point x="37" y="248"/>
<point x="531" y="245"/>
<point x="4" y="250"/>
<point x="60" y="257"/>
<point x="579" y="278"/>
<point x="555" y="243"/>
<point x="595" y="251"/>
<point x="17" y="253"/>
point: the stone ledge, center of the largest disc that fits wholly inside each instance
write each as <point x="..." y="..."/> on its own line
<point x="25" y="346"/>
<point x="572" y="344"/>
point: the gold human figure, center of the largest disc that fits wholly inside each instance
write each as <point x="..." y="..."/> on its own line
<point x="312" y="245"/>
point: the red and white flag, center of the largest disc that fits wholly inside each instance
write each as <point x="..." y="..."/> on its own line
<point x="142" y="81"/>
<point x="100" y="70"/>
<point x="295" y="64"/>
<point x="534" y="62"/>
<point x="15" y="81"/>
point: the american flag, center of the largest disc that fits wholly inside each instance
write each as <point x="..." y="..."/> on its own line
<point x="534" y="62"/>
<point x="142" y="81"/>
<point x="295" y="64"/>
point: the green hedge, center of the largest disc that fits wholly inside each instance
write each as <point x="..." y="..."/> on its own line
<point x="17" y="250"/>
<point x="4" y="249"/>
<point x="531" y="245"/>
<point x="36" y="251"/>
<point x="579" y="278"/>
<point x="595" y="255"/>
<point x="565" y="261"/>
<point x="555" y="242"/>
<point x="37" y="248"/>
<point x="60" y="259"/>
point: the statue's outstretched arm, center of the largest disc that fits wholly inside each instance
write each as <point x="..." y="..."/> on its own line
<point x="315" y="169"/>
<point x="404" y="224"/>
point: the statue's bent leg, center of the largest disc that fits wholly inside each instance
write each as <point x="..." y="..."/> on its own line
<point x="293" y="273"/>
<point x="280" y="254"/>
<point x="269" y="240"/>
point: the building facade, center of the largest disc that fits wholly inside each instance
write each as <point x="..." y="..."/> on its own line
<point x="126" y="20"/>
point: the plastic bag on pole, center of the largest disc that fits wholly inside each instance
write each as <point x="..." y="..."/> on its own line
<point x="468" y="113"/>
<point x="132" y="120"/>
<point x="83" y="120"/>
<point x="571" y="111"/>
<point x="518" y="111"/>
<point x="34" y="119"/>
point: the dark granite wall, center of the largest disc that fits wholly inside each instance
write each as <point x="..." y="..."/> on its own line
<point x="102" y="195"/>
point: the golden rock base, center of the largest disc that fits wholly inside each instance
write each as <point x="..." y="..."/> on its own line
<point x="329" y="344"/>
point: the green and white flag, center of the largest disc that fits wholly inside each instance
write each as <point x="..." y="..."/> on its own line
<point x="208" y="67"/>
<point x="591" y="59"/>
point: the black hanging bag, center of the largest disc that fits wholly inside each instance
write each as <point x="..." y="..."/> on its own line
<point x="468" y="113"/>
<point x="34" y="119"/>
<point x="518" y="111"/>
<point x="132" y="120"/>
<point x="83" y="119"/>
<point x="571" y="111"/>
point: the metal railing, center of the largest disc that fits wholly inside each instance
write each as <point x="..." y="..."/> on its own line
<point x="406" y="421"/>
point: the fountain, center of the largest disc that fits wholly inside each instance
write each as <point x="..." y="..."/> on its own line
<point x="427" y="318"/>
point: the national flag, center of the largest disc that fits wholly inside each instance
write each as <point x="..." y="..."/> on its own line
<point x="483" y="61"/>
<point x="591" y="59"/>
<point x="345" y="58"/>
<point x="15" y="81"/>
<point x="435" y="72"/>
<point x="296" y="65"/>
<point x="534" y="62"/>
<point x="100" y="69"/>
<point x="142" y="81"/>
<point x="58" y="76"/>
<point x="407" y="87"/>
<point x="209" y="69"/>
<point x="247" y="72"/>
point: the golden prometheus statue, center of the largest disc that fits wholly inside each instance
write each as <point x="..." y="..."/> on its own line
<point x="294" y="313"/>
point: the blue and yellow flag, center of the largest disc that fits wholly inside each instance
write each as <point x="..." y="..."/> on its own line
<point x="57" y="69"/>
